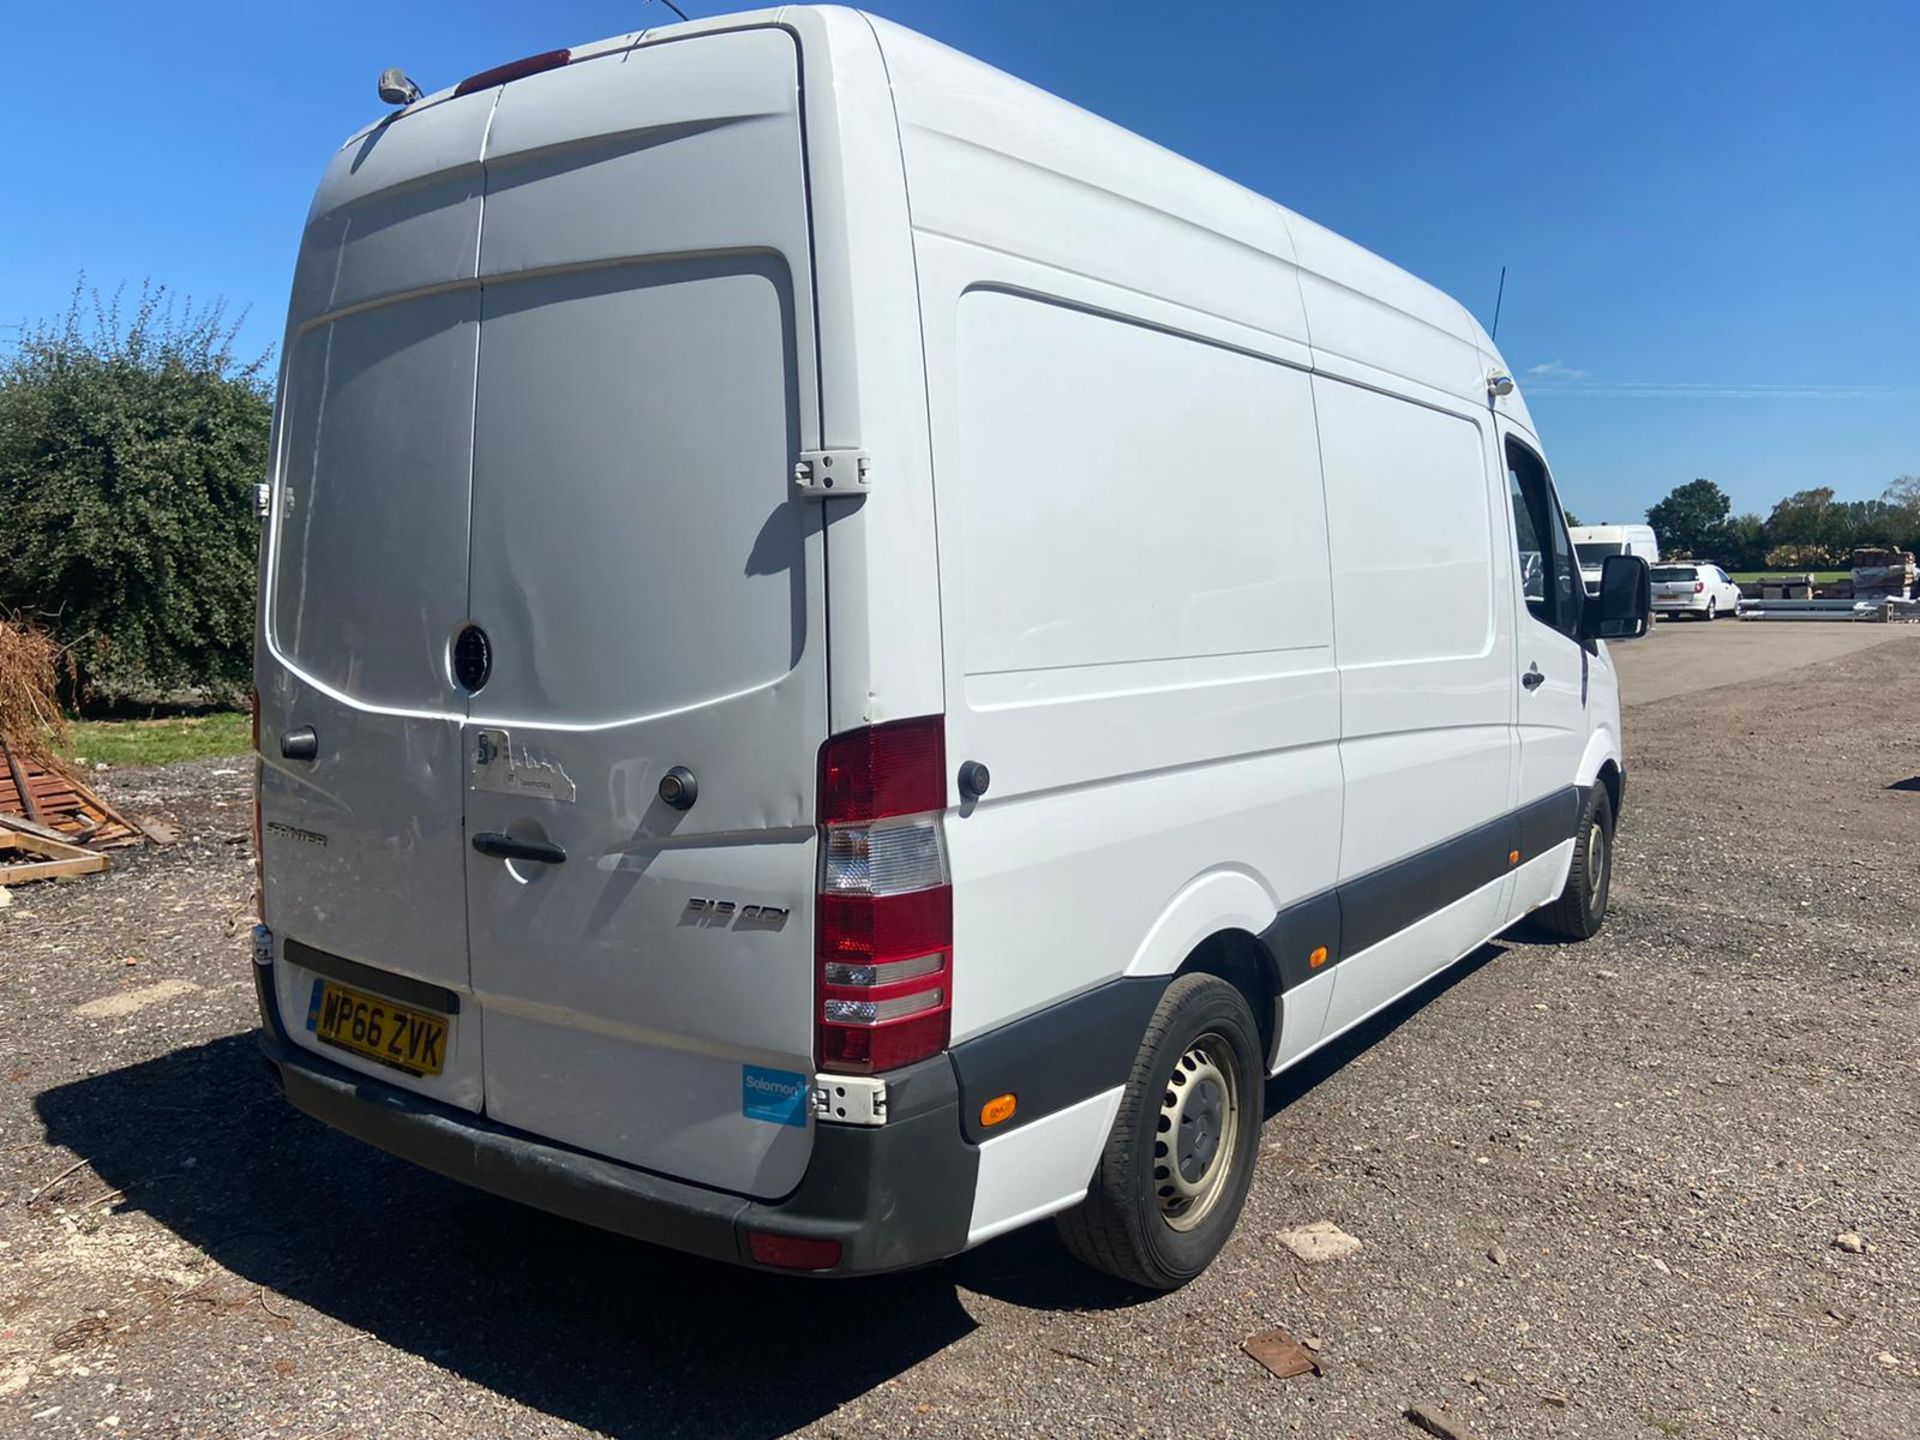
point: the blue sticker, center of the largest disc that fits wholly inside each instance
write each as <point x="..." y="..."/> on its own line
<point x="313" y="1006"/>
<point x="779" y="1096"/>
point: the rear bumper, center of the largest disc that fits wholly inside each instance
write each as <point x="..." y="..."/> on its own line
<point x="895" y="1196"/>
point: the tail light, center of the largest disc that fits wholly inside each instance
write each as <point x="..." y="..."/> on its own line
<point x="1699" y="587"/>
<point x="883" y="935"/>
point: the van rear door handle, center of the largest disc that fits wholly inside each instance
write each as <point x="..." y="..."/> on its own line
<point x="1533" y="679"/>
<point x="505" y="847"/>
<point x="301" y="744"/>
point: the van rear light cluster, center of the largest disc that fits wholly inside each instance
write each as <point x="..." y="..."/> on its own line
<point x="1699" y="587"/>
<point x="883" y="934"/>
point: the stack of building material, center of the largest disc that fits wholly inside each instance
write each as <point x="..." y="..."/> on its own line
<point x="39" y="788"/>
<point x="31" y="852"/>
<point x="1786" y="587"/>
<point x="1811" y="610"/>
<point x="1880" y="575"/>
<point x="52" y="823"/>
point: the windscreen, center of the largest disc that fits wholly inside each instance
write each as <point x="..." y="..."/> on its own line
<point x="1594" y="553"/>
<point x="1673" y="572"/>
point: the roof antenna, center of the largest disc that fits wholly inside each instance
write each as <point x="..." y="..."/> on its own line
<point x="1494" y="334"/>
<point x="675" y="9"/>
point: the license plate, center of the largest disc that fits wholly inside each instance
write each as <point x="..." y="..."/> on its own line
<point x="398" y="1035"/>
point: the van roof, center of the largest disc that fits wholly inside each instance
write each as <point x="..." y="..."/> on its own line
<point x="1372" y="311"/>
<point x="1607" y="532"/>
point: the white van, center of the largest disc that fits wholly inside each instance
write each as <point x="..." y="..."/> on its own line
<point x="851" y="656"/>
<point x="1594" y="543"/>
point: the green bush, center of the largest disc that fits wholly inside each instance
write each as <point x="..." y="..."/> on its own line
<point x="129" y="447"/>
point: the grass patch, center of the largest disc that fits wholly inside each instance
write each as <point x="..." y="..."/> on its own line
<point x="1820" y="577"/>
<point x="220" y="734"/>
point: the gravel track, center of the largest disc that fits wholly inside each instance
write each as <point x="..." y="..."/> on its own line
<point x="1598" y="1187"/>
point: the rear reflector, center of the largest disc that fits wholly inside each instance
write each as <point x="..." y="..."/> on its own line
<point x="513" y="70"/>
<point x="792" y="1252"/>
<point x="883" y="936"/>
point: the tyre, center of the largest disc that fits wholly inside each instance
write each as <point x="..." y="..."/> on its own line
<point x="1174" y="1175"/>
<point x="1713" y="611"/>
<point x="1582" y="907"/>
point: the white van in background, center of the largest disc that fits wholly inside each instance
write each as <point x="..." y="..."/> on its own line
<point x="851" y="656"/>
<point x="1594" y="543"/>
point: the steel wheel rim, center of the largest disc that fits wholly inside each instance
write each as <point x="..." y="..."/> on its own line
<point x="1596" y="860"/>
<point x="1194" y="1140"/>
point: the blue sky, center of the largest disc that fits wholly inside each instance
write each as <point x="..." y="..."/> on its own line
<point x="1711" y="212"/>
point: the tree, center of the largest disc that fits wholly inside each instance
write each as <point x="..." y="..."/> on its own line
<point x="129" y="448"/>
<point x="1573" y="521"/>
<point x="1745" y="545"/>
<point x="1810" y="524"/>
<point x="1692" y="520"/>
<point x="1902" y="497"/>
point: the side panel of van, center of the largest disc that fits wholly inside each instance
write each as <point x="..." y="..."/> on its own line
<point x="1133" y="584"/>
<point x="1425" y="639"/>
<point x="654" y="594"/>
<point x="1133" y="573"/>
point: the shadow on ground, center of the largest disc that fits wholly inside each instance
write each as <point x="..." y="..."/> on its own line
<point x="605" y="1332"/>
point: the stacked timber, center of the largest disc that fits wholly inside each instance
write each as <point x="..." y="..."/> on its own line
<point x="1786" y="587"/>
<point x="37" y="787"/>
<point x="1880" y="575"/>
<point x="52" y="823"/>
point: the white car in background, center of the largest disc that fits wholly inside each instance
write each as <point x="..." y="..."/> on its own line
<point x="1696" y="589"/>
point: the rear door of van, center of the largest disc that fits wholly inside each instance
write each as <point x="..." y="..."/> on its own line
<point x="653" y="598"/>
<point x="364" y="585"/>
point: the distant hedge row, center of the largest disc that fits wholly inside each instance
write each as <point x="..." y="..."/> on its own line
<point x="1808" y="530"/>
<point x="130" y="443"/>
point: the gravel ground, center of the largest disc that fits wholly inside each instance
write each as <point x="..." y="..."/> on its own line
<point x="1598" y="1188"/>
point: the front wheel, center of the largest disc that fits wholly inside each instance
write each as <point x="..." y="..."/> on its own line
<point x="1177" y="1165"/>
<point x="1582" y="907"/>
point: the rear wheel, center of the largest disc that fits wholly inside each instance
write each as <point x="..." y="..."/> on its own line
<point x="1175" y="1172"/>
<point x="1713" y="611"/>
<point x="1582" y="907"/>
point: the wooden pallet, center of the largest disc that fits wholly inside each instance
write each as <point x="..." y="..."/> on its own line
<point x="25" y="857"/>
<point x="46" y="792"/>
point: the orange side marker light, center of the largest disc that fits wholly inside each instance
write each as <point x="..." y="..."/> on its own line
<point x="998" y="1109"/>
<point x="1513" y="857"/>
<point x="1317" y="958"/>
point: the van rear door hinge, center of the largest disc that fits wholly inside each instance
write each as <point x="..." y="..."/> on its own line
<point x="850" y="1099"/>
<point x="822" y="474"/>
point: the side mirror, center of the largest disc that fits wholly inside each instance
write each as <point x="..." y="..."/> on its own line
<point x="1624" y="607"/>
